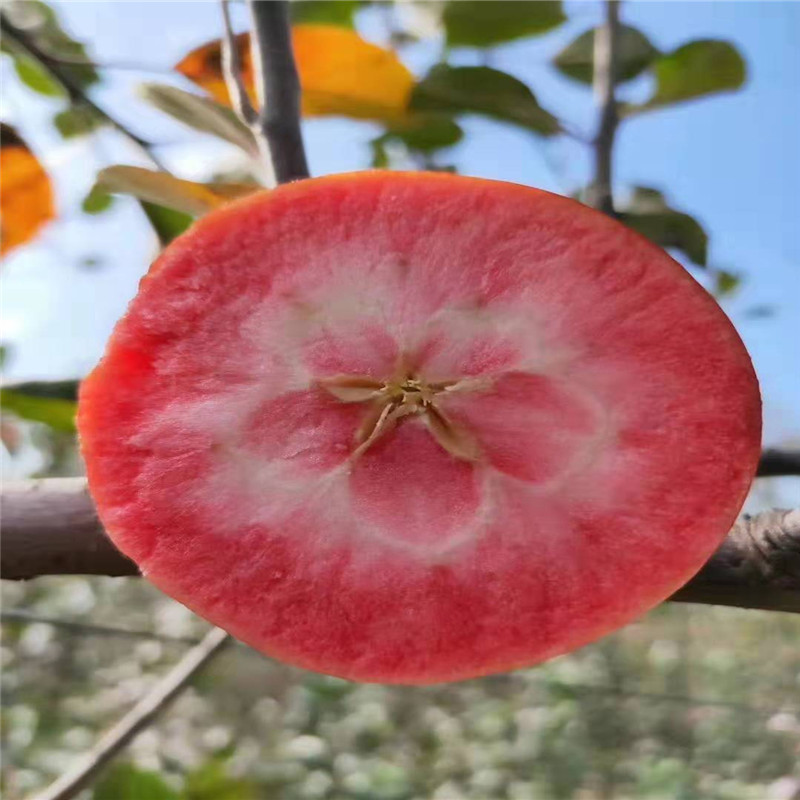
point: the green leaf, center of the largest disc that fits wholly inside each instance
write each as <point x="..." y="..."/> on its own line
<point x="380" y="157"/>
<point x="649" y="214"/>
<point x="36" y="77"/>
<point x="167" y="223"/>
<point x="61" y="390"/>
<point x="96" y="201"/>
<point x="725" y="283"/>
<point x="479" y="23"/>
<point x="41" y="25"/>
<point x="77" y="121"/>
<point x="212" y="782"/>
<point x="482" y="90"/>
<point x="58" y="414"/>
<point x="427" y="132"/>
<point x="325" y="12"/>
<point x="126" y="782"/>
<point x="703" y="67"/>
<point x="164" y="189"/>
<point x="201" y="113"/>
<point x="4" y="351"/>
<point x="635" y="52"/>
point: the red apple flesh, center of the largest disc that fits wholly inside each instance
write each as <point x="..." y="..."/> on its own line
<point x="413" y="428"/>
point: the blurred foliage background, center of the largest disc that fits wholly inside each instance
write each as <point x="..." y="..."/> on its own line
<point x="690" y="702"/>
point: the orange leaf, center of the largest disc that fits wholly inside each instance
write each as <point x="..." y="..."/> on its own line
<point x="340" y="73"/>
<point x="26" y="196"/>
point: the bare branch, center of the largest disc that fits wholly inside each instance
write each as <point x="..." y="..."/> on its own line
<point x="138" y="718"/>
<point x="89" y="628"/>
<point x="123" y="66"/>
<point x="605" y="68"/>
<point x="278" y="90"/>
<point x="757" y="566"/>
<point x="50" y="528"/>
<point x="232" y="70"/>
<point x="73" y="88"/>
<point x="779" y="463"/>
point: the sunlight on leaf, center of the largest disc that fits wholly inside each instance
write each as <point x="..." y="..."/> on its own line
<point x="26" y="195"/>
<point x="328" y="12"/>
<point x="36" y="77"/>
<point x="58" y="414"/>
<point x="200" y="113"/>
<point x="167" y="190"/>
<point x="696" y="69"/>
<point x="341" y="74"/>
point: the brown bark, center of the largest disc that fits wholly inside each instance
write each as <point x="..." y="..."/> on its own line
<point x="50" y="527"/>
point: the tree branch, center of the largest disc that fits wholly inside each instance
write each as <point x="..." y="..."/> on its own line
<point x="779" y="463"/>
<point x="757" y="566"/>
<point x="21" y="615"/>
<point x="277" y="127"/>
<point x="76" y="93"/>
<point x="605" y="68"/>
<point x="232" y="71"/>
<point x="774" y="463"/>
<point x="138" y="718"/>
<point x="50" y="528"/>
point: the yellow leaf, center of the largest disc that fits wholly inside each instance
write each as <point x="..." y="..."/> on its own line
<point x="26" y="196"/>
<point x="341" y="74"/>
<point x="167" y="190"/>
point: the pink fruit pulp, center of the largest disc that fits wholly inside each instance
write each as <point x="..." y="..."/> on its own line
<point x="597" y="425"/>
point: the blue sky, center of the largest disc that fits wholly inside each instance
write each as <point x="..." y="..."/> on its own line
<point x="733" y="161"/>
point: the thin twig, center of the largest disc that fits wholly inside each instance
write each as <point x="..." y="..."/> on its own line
<point x="139" y="717"/>
<point x="76" y="93"/>
<point x="232" y="71"/>
<point x="605" y="69"/>
<point x="122" y="66"/>
<point x="277" y="128"/>
<point x="89" y="628"/>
